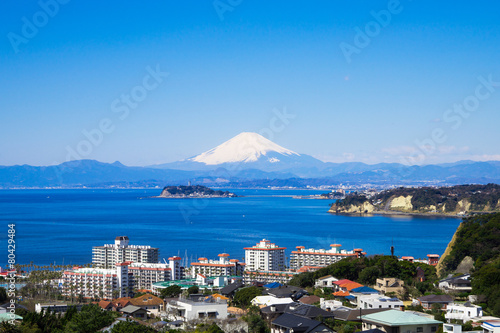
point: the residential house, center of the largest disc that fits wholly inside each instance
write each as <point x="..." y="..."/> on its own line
<point x="452" y="328"/>
<point x="394" y="321"/>
<point x="428" y="301"/>
<point x="152" y="304"/>
<point x="310" y="300"/>
<point x="325" y="282"/>
<point x="231" y="289"/>
<point x="460" y="283"/>
<point x="380" y="302"/>
<point x="348" y="314"/>
<point x="199" y="308"/>
<point x="270" y="313"/>
<point x="287" y="323"/>
<point x="268" y="300"/>
<point x="135" y="312"/>
<point x="286" y="291"/>
<point x="491" y="326"/>
<point x="390" y="285"/>
<point x="463" y="312"/>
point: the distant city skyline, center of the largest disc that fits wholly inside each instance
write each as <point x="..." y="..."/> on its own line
<point x="157" y="82"/>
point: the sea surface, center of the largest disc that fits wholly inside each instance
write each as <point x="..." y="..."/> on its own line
<point x="61" y="226"/>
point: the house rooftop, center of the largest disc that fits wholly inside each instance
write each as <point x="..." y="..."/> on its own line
<point x="398" y="318"/>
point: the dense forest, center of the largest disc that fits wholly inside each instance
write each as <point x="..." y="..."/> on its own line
<point x="444" y="199"/>
<point x="479" y="238"/>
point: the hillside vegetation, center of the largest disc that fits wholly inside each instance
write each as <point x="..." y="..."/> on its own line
<point x="367" y="270"/>
<point x="460" y="199"/>
<point x="479" y="238"/>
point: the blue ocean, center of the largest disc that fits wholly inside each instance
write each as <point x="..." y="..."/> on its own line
<point x="61" y="226"/>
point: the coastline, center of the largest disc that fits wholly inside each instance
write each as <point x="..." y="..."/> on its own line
<point x="396" y="213"/>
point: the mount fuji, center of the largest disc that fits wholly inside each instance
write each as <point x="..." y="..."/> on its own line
<point x="249" y="150"/>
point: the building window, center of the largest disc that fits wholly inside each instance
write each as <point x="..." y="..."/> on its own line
<point x="420" y="329"/>
<point x="433" y="328"/>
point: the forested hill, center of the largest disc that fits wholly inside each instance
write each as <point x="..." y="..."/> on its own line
<point x="460" y="199"/>
<point x="478" y="237"/>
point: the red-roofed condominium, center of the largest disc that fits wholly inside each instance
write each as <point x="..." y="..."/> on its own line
<point x="108" y="255"/>
<point x="222" y="267"/>
<point x="321" y="257"/>
<point x="265" y="256"/>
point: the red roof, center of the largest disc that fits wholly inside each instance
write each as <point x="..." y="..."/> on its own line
<point x="341" y="293"/>
<point x="174" y="258"/>
<point x="341" y="282"/>
<point x="335" y="245"/>
<point x="223" y="255"/>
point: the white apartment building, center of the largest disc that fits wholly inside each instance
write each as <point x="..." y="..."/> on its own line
<point x="108" y="255"/>
<point x="145" y="274"/>
<point x="321" y="257"/>
<point x="265" y="256"/>
<point x="463" y="312"/>
<point x="222" y="267"/>
<point x="187" y="309"/>
<point x="375" y="301"/>
<point x="102" y="283"/>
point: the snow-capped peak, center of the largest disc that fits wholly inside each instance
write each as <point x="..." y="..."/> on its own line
<point x="245" y="147"/>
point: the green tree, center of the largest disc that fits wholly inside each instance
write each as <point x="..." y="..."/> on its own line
<point x="369" y="275"/>
<point x="90" y="319"/>
<point x="131" y="327"/>
<point x="243" y="296"/>
<point x="171" y="291"/>
<point x="193" y="290"/>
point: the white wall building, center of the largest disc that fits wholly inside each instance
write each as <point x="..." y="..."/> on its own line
<point x="146" y="274"/>
<point x="222" y="267"/>
<point x="103" y="283"/>
<point x="265" y="256"/>
<point x="491" y="326"/>
<point x="325" y="282"/>
<point x="321" y="257"/>
<point x="185" y="309"/>
<point x="375" y="301"/>
<point x="108" y="255"/>
<point x="463" y="312"/>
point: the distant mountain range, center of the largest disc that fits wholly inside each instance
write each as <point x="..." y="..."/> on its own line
<point x="248" y="160"/>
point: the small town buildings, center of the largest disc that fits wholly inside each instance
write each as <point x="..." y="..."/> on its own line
<point x="390" y="285"/>
<point x="286" y="291"/>
<point x="270" y="313"/>
<point x="321" y="257"/>
<point x="452" y="328"/>
<point x="108" y="255"/>
<point x="325" y="282"/>
<point x="135" y="312"/>
<point x="393" y="321"/>
<point x="379" y="302"/>
<point x="463" y="312"/>
<point x="292" y="323"/>
<point x="101" y="283"/>
<point x="221" y="267"/>
<point x="268" y="300"/>
<point x="460" y="283"/>
<point x="145" y="274"/>
<point x="433" y="259"/>
<point x="428" y="301"/>
<point x="265" y="256"/>
<point x="349" y="314"/>
<point x="345" y="285"/>
<point x="491" y="326"/>
<point x="152" y="304"/>
<point x="329" y="304"/>
<point x="196" y="309"/>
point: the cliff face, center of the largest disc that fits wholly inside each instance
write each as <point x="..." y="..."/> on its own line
<point x="364" y="208"/>
<point x="457" y="200"/>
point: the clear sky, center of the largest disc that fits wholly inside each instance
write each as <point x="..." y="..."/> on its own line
<point x="365" y="81"/>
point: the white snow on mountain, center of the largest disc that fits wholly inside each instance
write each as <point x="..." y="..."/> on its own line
<point x="245" y="147"/>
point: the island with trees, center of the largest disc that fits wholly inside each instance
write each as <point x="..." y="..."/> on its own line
<point x="194" y="191"/>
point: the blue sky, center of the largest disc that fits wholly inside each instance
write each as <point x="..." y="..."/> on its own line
<point x="234" y="65"/>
